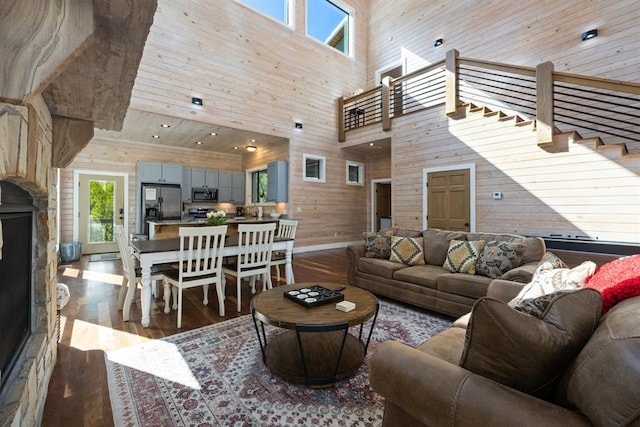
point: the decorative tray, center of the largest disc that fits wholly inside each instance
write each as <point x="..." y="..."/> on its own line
<point x="312" y="296"/>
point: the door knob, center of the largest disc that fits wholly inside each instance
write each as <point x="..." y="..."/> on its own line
<point x="466" y="224"/>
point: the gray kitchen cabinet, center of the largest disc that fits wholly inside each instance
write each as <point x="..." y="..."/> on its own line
<point x="186" y="184"/>
<point x="278" y="181"/>
<point x="201" y="177"/>
<point x="160" y="173"/>
<point x="231" y="187"/>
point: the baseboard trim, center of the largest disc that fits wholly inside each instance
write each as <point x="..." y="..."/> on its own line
<point x="324" y="247"/>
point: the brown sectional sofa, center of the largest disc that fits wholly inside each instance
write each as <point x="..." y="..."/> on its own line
<point x="430" y="285"/>
<point x="426" y="386"/>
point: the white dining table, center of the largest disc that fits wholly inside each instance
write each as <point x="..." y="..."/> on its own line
<point x="153" y="252"/>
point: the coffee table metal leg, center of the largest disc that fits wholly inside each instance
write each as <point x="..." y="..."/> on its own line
<point x="373" y="323"/>
<point x="262" y="338"/>
<point x="315" y="329"/>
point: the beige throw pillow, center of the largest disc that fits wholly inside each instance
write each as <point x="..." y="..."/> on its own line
<point x="463" y="255"/>
<point x="407" y="250"/>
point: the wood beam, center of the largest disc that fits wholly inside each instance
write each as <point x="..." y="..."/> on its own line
<point x="40" y="38"/>
<point x="70" y="136"/>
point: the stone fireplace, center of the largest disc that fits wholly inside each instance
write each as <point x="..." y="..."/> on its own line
<point x="25" y="163"/>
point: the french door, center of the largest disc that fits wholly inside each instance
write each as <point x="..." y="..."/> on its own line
<point x="100" y="207"/>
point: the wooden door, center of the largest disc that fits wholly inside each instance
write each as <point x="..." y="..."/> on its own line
<point x="448" y="200"/>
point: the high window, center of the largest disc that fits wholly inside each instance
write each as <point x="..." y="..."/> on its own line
<point x="355" y="173"/>
<point x="314" y="168"/>
<point x="329" y="21"/>
<point x="280" y="10"/>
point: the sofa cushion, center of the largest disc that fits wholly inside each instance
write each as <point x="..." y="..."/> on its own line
<point x="436" y="244"/>
<point x="379" y="267"/>
<point x="498" y="257"/>
<point x="547" y="281"/>
<point x="462" y="256"/>
<point x="617" y="280"/>
<point x="468" y="285"/>
<point x="407" y="250"/>
<point x="447" y="345"/>
<point x="377" y="245"/>
<point x="526" y="352"/>
<point x="602" y="381"/>
<point x="424" y="275"/>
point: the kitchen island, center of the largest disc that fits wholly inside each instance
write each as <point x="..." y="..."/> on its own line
<point x="167" y="229"/>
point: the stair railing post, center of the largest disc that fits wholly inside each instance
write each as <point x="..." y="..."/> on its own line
<point x="544" y="103"/>
<point x="385" y="103"/>
<point x="342" y="137"/>
<point x="451" y="82"/>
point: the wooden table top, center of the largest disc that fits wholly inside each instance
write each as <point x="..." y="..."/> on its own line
<point x="173" y="244"/>
<point x="272" y="308"/>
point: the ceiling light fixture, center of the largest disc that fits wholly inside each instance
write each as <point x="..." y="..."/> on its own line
<point x="251" y="148"/>
<point x="197" y="101"/>
<point x="155" y="136"/>
<point x="252" y="140"/>
<point x="164" y="125"/>
<point x="438" y="43"/>
<point x="298" y="125"/>
<point x="236" y="148"/>
<point x="589" y="34"/>
<point x="213" y="134"/>
<point x="198" y="142"/>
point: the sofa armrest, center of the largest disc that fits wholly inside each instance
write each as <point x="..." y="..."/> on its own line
<point x="354" y="252"/>
<point x="504" y="290"/>
<point x="522" y="273"/>
<point x="436" y="392"/>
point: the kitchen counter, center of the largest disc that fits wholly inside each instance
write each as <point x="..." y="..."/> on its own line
<point x="167" y="229"/>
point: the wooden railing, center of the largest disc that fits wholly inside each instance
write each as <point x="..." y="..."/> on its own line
<point x="550" y="98"/>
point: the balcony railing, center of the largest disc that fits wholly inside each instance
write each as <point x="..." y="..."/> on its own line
<point x="557" y="101"/>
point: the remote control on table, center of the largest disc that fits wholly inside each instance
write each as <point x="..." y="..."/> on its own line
<point x="340" y="288"/>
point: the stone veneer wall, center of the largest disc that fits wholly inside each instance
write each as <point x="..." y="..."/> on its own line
<point x="25" y="160"/>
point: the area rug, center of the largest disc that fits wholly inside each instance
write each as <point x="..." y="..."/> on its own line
<point x="214" y="376"/>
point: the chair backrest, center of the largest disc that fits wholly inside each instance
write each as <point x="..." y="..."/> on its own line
<point x="287" y="228"/>
<point x="128" y="267"/>
<point x="201" y="250"/>
<point x="255" y="242"/>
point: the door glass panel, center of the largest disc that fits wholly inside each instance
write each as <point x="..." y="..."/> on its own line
<point x="101" y="211"/>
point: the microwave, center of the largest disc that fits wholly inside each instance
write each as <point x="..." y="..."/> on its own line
<point x="203" y="194"/>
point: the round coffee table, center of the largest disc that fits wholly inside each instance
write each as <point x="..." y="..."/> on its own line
<point x="315" y="347"/>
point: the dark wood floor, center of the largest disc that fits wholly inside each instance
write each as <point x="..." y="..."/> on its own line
<point x="92" y="325"/>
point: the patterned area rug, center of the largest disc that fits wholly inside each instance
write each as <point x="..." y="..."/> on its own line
<point x="214" y="376"/>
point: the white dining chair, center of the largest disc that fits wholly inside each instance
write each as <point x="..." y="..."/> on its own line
<point x="131" y="273"/>
<point x="200" y="264"/>
<point x="255" y="243"/>
<point x="286" y="229"/>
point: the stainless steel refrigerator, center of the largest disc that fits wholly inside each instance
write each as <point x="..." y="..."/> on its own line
<point x="160" y="202"/>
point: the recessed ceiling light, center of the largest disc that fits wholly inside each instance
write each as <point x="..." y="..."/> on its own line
<point x="236" y="148"/>
<point x="164" y="125"/>
<point x="252" y="140"/>
<point x="371" y="144"/>
<point x="213" y="134"/>
<point x="251" y="148"/>
<point x="155" y="136"/>
<point x="197" y="101"/>
<point x="198" y="142"/>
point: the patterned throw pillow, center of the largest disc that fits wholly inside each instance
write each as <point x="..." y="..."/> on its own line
<point x="463" y="255"/>
<point x="548" y="281"/>
<point x="377" y="245"/>
<point x="497" y="258"/>
<point x="407" y="250"/>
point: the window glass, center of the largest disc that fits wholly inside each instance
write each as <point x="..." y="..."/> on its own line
<point x="259" y="184"/>
<point x="329" y="22"/>
<point x="314" y="168"/>
<point x="276" y="9"/>
<point x="355" y="173"/>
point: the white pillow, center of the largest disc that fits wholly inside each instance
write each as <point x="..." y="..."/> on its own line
<point x="547" y="281"/>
